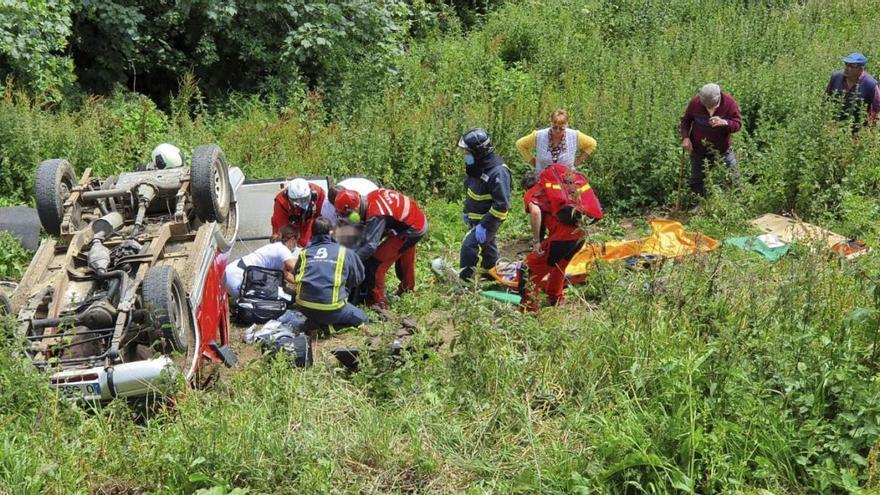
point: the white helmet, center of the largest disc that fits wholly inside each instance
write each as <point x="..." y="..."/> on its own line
<point x="167" y="156"/>
<point x="299" y="193"/>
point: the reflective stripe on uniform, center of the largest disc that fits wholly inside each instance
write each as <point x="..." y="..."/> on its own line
<point x="337" y="276"/>
<point x="475" y="216"/>
<point x="501" y="215"/>
<point x="302" y="271"/>
<point x="337" y="282"/>
<point x="585" y="187"/>
<point x="320" y="306"/>
<point x="384" y="207"/>
<point x="478" y="197"/>
<point x="551" y="185"/>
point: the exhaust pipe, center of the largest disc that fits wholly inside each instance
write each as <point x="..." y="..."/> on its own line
<point x="157" y="376"/>
<point x="152" y="376"/>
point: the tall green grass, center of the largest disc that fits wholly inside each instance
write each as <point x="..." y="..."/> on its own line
<point x="718" y="374"/>
<point x="624" y="70"/>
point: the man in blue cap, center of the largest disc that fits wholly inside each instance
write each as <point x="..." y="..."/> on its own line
<point x="857" y="89"/>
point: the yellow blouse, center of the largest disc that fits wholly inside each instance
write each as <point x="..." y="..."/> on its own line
<point x="526" y="144"/>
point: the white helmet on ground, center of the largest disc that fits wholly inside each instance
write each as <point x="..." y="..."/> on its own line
<point x="167" y="156"/>
<point x="299" y="193"/>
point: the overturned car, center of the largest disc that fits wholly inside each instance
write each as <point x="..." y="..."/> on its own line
<point x="127" y="294"/>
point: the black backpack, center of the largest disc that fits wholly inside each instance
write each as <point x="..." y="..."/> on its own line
<point x="258" y="301"/>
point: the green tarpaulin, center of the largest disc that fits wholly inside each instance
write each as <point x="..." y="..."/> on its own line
<point x="758" y="246"/>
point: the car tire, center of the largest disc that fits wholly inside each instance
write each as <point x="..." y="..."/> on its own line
<point x="55" y="180"/>
<point x="5" y="306"/>
<point x="167" y="309"/>
<point x="209" y="176"/>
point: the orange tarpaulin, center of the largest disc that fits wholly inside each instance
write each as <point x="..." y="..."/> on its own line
<point x="668" y="239"/>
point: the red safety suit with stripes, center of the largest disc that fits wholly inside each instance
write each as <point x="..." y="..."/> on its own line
<point x="283" y="213"/>
<point x="563" y="241"/>
<point x="394" y="223"/>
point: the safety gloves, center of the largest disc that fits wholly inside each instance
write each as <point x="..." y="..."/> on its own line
<point x="480" y="233"/>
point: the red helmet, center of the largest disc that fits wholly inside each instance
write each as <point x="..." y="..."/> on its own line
<point x="347" y="201"/>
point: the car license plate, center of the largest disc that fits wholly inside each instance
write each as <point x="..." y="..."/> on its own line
<point x="80" y="390"/>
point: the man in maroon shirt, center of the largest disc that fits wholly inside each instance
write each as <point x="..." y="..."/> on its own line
<point x="709" y="120"/>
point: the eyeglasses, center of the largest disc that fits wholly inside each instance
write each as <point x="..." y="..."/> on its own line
<point x="854" y="66"/>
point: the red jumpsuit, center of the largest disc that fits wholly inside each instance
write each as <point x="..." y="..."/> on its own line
<point x="563" y="241"/>
<point x="394" y="224"/>
<point x="302" y="220"/>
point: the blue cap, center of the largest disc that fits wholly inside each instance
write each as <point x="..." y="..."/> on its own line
<point x="855" y="58"/>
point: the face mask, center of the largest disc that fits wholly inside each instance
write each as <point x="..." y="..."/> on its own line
<point x="468" y="159"/>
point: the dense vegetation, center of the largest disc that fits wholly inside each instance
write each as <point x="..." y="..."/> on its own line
<point x="720" y="374"/>
<point x="623" y="69"/>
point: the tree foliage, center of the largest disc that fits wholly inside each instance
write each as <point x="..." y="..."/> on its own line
<point x="33" y="41"/>
<point x="232" y="45"/>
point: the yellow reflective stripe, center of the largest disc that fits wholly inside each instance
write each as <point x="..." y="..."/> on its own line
<point x="302" y="271"/>
<point x="337" y="276"/>
<point x="320" y="306"/>
<point x="552" y="186"/>
<point x="475" y="216"/>
<point x="585" y="187"/>
<point x="478" y="197"/>
<point x="501" y="215"/>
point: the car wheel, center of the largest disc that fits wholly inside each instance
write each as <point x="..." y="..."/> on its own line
<point x="209" y="176"/>
<point x="5" y="306"/>
<point x="55" y="180"/>
<point x="168" y="314"/>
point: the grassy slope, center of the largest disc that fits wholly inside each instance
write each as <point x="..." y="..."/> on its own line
<point x="719" y="374"/>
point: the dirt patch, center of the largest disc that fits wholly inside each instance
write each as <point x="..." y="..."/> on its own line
<point x="515" y="249"/>
<point x="437" y="325"/>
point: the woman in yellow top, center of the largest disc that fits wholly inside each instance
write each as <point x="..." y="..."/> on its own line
<point x="556" y="144"/>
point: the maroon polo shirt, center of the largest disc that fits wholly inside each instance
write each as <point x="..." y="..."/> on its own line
<point x="695" y="124"/>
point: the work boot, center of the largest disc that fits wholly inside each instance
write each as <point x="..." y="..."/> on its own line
<point x="555" y="301"/>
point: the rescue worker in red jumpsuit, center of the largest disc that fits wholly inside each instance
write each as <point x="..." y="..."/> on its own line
<point x="298" y="204"/>
<point x="393" y="224"/>
<point x="555" y="202"/>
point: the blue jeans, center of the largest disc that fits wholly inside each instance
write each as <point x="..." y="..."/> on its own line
<point x="698" y="163"/>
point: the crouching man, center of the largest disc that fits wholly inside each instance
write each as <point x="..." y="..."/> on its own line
<point x="324" y="275"/>
<point x="393" y="225"/>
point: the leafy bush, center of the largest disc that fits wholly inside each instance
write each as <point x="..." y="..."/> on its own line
<point x="33" y="40"/>
<point x="13" y="257"/>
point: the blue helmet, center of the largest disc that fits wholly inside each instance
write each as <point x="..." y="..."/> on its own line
<point x="477" y="142"/>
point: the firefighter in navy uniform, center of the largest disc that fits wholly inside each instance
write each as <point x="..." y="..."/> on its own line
<point x="486" y="204"/>
<point x="324" y="275"/>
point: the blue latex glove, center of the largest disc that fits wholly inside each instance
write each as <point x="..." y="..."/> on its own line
<point x="467" y="221"/>
<point x="480" y="233"/>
